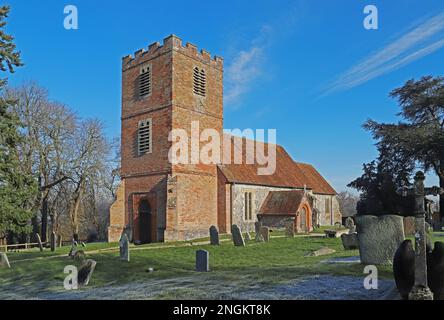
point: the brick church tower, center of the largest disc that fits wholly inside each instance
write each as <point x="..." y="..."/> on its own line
<point x="163" y="88"/>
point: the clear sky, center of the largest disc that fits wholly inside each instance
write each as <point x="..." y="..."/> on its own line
<point x="307" y="68"/>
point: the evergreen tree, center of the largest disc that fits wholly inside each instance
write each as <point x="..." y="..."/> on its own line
<point x="16" y="188"/>
<point x="420" y="135"/>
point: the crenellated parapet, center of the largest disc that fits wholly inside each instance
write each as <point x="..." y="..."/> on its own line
<point x="170" y="43"/>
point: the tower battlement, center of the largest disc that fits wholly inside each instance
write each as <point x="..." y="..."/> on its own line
<point x="171" y="42"/>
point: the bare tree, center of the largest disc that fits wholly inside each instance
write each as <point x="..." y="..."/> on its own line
<point x="47" y="128"/>
<point x="90" y="150"/>
<point x="347" y="203"/>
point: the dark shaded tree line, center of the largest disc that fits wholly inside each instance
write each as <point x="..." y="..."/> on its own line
<point x="56" y="168"/>
<point x="415" y="142"/>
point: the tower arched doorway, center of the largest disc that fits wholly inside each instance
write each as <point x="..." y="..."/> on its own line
<point x="145" y="222"/>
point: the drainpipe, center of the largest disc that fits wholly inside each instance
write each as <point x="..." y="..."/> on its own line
<point x="231" y="207"/>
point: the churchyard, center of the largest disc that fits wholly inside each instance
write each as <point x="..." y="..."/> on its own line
<point x="283" y="268"/>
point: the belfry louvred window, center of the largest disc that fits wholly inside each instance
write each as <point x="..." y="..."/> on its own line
<point x="199" y="82"/>
<point x="145" y="81"/>
<point x="144" y="137"/>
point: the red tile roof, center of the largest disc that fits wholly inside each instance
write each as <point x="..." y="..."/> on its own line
<point x="282" y="202"/>
<point x="288" y="173"/>
<point x="315" y="180"/>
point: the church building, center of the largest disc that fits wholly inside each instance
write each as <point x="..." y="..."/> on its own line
<point x="167" y="87"/>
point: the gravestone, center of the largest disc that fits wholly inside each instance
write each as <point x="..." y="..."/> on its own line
<point x="214" y="236"/>
<point x="85" y="272"/>
<point x="202" y="261"/>
<point x="379" y="238"/>
<point x="289" y="230"/>
<point x="321" y="252"/>
<point x="350" y="241"/>
<point x="73" y="249"/>
<point x="257" y="227"/>
<point x="124" y="248"/>
<point x="265" y="233"/>
<point x="53" y="241"/>
<point x="39" y="241"/>
<point x="259" y="238"/>
<point x="404" y="268"/>
<point x="350" y="225"/>
<point x="409" y="226"/>
<point x="238" y="239"/>
<point x="435" y="271"/>
<point x="4" y="261"/>
<point x="79" y="255"/>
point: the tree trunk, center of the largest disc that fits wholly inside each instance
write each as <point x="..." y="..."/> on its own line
<point x="75" y="210"/>
<point x="44" y="218"/>
<point x="441" y="198"/>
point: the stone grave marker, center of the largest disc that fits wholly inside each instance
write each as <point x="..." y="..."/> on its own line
<point x="4" y="261"/>
<point x="265" y="233"/>
<point x="259" y="238"/>
<point x="79" y="255"/>
<point x="379" y="238"/>
<point x="238" y="239"/>
<point x="350" y="240"/>
<point x="214" y="236"/>
<point x="124" y="248"/>
<point x="202" y="261"/>
<point x="350" y="225"/>
<point x="257" y="227"/>
<point x="53" y="241"/>
<point x="85" y="272"/>
<point x="39" y="241"/>
<point x="289" y="230"/>
<point x="73" y="249"/>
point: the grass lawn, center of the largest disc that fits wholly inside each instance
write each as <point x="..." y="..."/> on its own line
<point x="279" y="261"/>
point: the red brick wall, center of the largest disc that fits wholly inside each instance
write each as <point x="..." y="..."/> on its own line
<point x="172" y="104"/>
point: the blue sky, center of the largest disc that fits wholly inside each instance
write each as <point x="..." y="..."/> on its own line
<point x="309" y="68"/>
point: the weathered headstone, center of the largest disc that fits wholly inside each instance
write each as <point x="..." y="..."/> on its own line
<point x="320" y="252"/>
<point x="265" y="233"/>
<point x="257" y="227"/>
<point x="409" y="226"/>
<point x="39" y="241"/>
<point x="53" y="241"/>
<point x="350" y="241"/>
<point x="379" y="238"/>
<point x="4" y="261"/>
<point x="202" y="261"/>
<point x="350" y="225"/>
<point x="73" y="249"/>
<point x="124" y="248"/>
<point x="238" y="239"/>
<point x="79" y="255"/>
<point x="85" y="272"/>
<point x="289" y="230"/>
<point x="259" y="238"/>
<point x="214" y="236"/>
